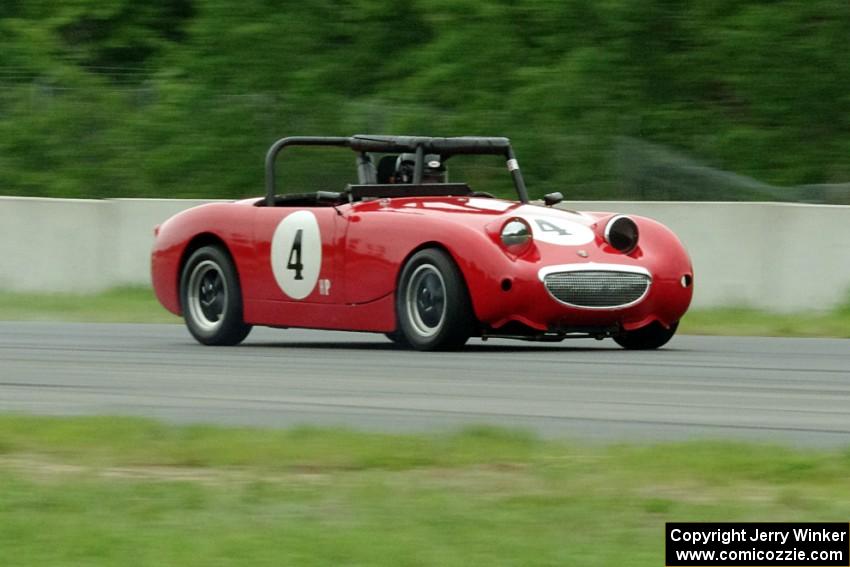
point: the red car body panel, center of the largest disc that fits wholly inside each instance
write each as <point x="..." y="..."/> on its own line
<point x="364" y="246"/>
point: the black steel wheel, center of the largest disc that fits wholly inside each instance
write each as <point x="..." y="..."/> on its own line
<point x="212" y="299"/>
<point x="432" y="303"/>
<point x="652" y="336"/>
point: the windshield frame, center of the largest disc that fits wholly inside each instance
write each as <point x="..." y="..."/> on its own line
<point x="418" y="145"/>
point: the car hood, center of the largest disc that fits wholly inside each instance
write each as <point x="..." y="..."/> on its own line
<point x="561" y="236"/>
<point x="471" y="208"/>
<point x="559" y="226"/>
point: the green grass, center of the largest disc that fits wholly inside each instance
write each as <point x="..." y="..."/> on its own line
<point x="119" y="305"/>
<point x="110" y="491"/>
<point x="138" y="305"/>
<point x="752" y="322"/>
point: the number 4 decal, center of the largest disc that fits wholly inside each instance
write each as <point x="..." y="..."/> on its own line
<point x="547" y="226"/>
<point x="560" y="230"/>
<point x="295" y="252"/>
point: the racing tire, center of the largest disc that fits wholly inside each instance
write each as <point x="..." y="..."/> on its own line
<point x="212" y="298"/>
<point x="652" y="336"/>
<point x="397" y="338"/>
<point x="432" y="303"/>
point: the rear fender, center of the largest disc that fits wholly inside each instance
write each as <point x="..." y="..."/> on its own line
<point x="224" y="224"/>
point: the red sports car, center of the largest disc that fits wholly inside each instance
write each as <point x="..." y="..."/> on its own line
<point x="427" y="262"/>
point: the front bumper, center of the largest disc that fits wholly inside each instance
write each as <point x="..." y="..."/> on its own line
<point x="619" y="302"/>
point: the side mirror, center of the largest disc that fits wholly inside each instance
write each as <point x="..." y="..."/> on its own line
<point x="552" y="199"/>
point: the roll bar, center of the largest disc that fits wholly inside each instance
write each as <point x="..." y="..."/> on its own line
<point x="420" y="145"/>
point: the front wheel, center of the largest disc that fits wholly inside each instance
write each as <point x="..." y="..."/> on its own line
<point x="432" y="303"/>
<point x="211" y="298"/>
<point x="652" y="336"/>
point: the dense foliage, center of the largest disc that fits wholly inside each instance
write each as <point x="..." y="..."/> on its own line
<point x="182" y="97"/>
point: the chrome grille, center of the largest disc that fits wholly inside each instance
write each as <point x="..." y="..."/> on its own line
<point x="597" y="288"/>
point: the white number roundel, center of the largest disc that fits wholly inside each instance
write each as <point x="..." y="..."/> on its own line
<point x="297" y="254"/>
<point x="557" y="230"/>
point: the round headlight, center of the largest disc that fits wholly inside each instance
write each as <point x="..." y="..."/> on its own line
<point x="516" y="234"/>
<point x="622" y="233"/>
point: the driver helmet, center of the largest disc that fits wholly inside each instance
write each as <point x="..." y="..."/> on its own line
<point x="433" y="172"/>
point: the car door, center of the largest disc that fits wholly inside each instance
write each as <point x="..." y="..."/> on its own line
<point x="296" y="255"/>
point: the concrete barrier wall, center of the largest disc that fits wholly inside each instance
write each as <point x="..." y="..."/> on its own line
<point x="79" y="245"/>
<point x="52" y="244"/>
<point x="775" y="256"/>
<point x="133" y="221"/>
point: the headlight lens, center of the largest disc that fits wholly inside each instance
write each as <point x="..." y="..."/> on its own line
<point x="622" y="233"/>
<point x="516" y="235"/>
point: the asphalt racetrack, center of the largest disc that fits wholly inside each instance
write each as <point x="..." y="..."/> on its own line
<point x="784" y="390"/>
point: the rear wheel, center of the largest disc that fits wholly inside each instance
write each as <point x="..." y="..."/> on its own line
<point x="432" y="303"/>
<point x="211" y="298"/>
<point x="397" y="338"/>
<point x="652" y="336"/>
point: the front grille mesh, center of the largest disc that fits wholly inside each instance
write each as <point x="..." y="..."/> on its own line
<point x="596" y="288"/>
